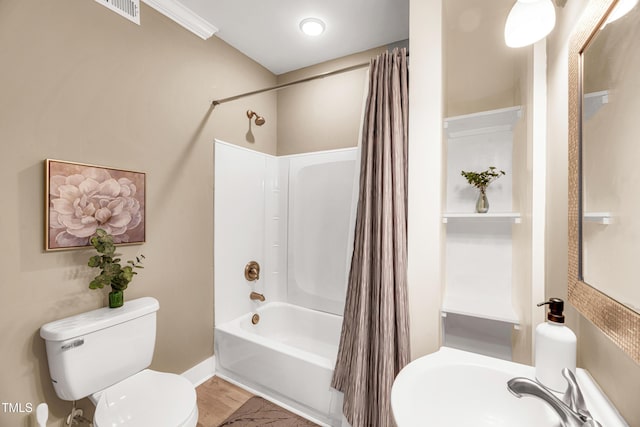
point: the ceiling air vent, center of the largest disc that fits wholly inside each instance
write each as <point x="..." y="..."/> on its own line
<point x="130" y="9"/>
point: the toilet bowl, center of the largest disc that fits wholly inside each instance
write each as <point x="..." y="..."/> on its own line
<point x="104" y="355"/>
<point x="148" y="398"/>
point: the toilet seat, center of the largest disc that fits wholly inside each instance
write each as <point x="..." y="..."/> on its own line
<point x="148" y="398"/>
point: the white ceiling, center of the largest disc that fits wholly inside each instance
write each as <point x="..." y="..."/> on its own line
<point x="268" y="30"/>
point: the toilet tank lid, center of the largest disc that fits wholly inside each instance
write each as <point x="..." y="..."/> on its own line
<point x="95" y="320"/>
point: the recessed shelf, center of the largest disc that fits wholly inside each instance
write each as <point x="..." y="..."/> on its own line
<point x="599" y="217"/>
<point x="491" y="309"/>
<point x="489" y="216"/>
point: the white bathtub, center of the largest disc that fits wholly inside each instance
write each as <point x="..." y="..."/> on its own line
<point x="289" y="356"/>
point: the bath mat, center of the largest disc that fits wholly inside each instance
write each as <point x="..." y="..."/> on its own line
<point x="260" y="412"/>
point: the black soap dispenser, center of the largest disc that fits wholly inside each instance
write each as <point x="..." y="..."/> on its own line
<point x="555" y="347"/>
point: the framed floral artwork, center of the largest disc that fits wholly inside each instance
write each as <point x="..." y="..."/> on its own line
<point x="81" y="198"/>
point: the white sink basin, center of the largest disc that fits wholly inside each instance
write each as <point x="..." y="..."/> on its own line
<point x="455" y="388"/>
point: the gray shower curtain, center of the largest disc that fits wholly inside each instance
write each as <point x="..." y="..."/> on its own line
<point x="374" y="344"/>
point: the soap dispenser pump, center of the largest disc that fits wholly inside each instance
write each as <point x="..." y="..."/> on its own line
<point x="555" y="347"/>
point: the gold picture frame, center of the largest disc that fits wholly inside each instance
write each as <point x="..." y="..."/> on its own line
<point x="80" y="198"/>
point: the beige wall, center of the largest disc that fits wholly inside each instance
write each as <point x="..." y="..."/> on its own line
<point x="616" y="373"/>
<point x="80" y="83"/>
<point x="323" y="114"/>
<point x="482" y="73"/>
<point x="521" y="233"/>
<point x="425" y="241"/>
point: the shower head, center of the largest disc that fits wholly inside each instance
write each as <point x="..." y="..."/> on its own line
<point x="259" y="119"/>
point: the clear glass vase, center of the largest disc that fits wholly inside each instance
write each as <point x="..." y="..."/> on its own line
<point x="482" y="204"/>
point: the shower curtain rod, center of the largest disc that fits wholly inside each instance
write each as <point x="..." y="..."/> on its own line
<point x="295" y="82"/>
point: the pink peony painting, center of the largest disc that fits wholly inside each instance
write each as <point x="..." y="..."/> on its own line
<point x="82" y="198"/>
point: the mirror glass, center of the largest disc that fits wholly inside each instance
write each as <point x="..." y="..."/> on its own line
<point x="611" y="160"/>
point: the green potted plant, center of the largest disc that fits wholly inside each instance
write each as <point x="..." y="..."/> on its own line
<point x="112" y="273"/>
<point x="481" y="181"/>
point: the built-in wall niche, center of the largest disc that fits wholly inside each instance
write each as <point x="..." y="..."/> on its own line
<point x="479" y="247"/>
<point x="475" y="142"/>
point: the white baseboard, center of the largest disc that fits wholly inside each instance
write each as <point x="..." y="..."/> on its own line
<point x="201" y="372"/>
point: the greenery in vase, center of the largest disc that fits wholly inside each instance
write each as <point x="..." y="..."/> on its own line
<point x="113" y="274"/>
<point x="481" y="180"/>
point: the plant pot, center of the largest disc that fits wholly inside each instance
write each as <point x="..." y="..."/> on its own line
<point x="116" y="299"/>
<point x="482" y="205"/>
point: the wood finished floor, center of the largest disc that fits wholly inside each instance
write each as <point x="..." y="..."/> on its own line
<point x="217" y="399"/>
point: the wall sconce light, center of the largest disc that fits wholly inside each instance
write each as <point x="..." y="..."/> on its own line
<point x="528" y="22"/>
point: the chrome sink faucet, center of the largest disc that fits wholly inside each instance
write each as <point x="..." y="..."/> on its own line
<point x="572" y="409"/>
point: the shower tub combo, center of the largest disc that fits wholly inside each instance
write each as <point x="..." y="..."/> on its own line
<point x="288" y="355"/>
<point x="295" y="216"/>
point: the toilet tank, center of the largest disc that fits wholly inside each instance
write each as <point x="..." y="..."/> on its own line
<point x="91" y="351"/>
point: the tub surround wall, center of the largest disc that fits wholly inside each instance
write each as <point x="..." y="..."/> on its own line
<point x="295" y="215"/>
<point x="80" y="83"/>
<point x="239" y="235"/>
<point x="322" y="197"/>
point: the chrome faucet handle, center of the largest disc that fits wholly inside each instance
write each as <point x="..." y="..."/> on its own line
<point x="573" y="397"/>
<point x="569" y="417"/>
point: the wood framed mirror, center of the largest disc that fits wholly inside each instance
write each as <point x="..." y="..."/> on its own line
<point x="603" y="308"/>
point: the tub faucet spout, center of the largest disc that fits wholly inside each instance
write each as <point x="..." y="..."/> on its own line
<point x="570" y="417"/>
<point x="256" y="296"/>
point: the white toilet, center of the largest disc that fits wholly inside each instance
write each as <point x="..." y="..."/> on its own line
<point x="103" y="354"/>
